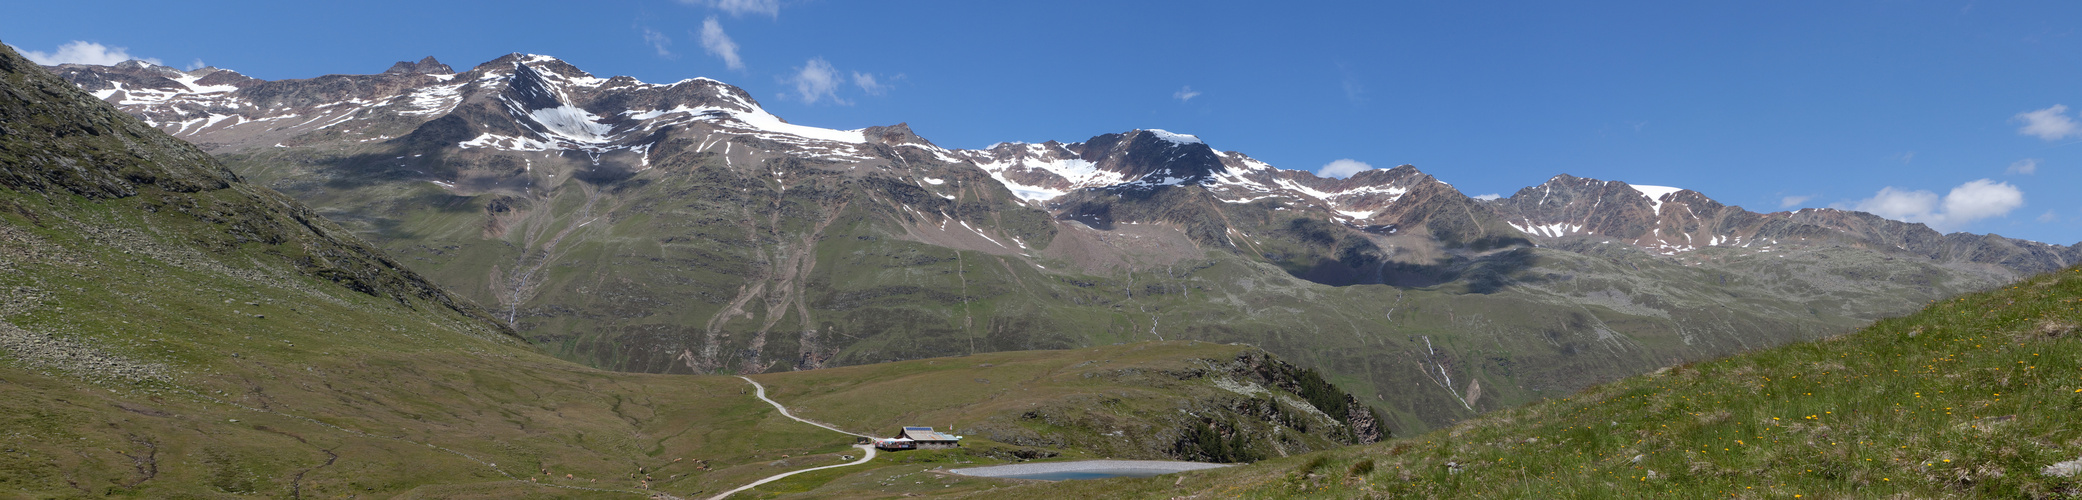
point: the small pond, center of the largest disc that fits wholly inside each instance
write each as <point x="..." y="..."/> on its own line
<point x="1085" y="469"/>
<point x="1089" y="474"/>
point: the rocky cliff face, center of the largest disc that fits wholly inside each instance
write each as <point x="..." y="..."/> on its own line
<point x="681" y="228"/>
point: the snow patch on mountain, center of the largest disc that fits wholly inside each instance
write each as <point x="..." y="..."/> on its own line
<point x="436" y="100"/>
<point x="572" y="123"/>
<point x="1655" y="194"/>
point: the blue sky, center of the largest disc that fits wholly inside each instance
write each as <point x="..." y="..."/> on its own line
<point x="1960" y="114"/>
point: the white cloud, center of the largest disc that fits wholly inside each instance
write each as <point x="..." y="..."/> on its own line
<point x="1343" y="168"/>
<point x="1185" y="94"/>
<point x="1967" y="203"/>
<point x="869" y="84"/>
<point x="2051" y="124"/>
<point x="1487" y="197"/>
<point x="84" y="52"/>
<point x="2049" y="216"/>
<point x="2025" y="166"/>
<point x="741" y="7"/>
<point x="196" y="65"/>
<point x="816" y="80"/>
<point x="1793" y="201"/>
<point x="719" y="44"/>
<point x="659" y="41"/>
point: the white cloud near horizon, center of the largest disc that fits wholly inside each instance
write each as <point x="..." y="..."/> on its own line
<point x="197" y="64"/>
<point x="2050" y="124"/>
<point x="2025" y="166"/>
<point x="1793" y="201"/>
<point x="658" y="41"/>
<point x="85" y="52"/>
<point x="2049" y="216"/>
<point x="1342" y="168"/>
<point x="817" y="80"/>
<point x="1969" y="202"/>
<point x="771" y="8"/>
<point x="1185" y="94"/>
<point x="1487" y="197"/>
<point x="719" y="44"/>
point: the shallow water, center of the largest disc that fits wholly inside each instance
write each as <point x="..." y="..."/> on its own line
<point x="1090" y="474"/>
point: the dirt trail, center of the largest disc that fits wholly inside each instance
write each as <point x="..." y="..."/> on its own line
<point x="761" y="392"/>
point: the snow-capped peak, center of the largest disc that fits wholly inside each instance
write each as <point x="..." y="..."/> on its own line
<point x="1174" y="138"/>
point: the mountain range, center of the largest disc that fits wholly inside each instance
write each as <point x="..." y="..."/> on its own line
<point x="170" y="330"/>
<point x="681" y="228"/>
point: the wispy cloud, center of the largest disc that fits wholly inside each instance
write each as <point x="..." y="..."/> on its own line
<point x="771" y="8"/>
<point x="2050" y="124"/>
<point x="1793" y="201"/>
<point x="1355" y="92"/>
<point x="1185" y="94"/>
<point x="197" y="64"/>
<point x="2025" y="166"/>
<point x="1487" y="197"/>
<point x="1972" y="201"/>
<point x="817" y="80"/>
<point x="2049" y="216"/>
<point x="869" y="84"/>
<point x="658" y="41"/>
<point x="719" y="44"/>
<point x="1343" y="168"/>
<point x="85" y="52"/>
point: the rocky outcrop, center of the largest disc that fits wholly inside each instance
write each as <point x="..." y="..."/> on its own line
<point x="427" y="66"/>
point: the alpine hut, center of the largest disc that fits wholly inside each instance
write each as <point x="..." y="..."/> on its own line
<point x="919" y="437"/>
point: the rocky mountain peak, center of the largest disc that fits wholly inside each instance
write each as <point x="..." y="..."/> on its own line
<point x="1152" y="157"/>
<point x="896" y="135"/>
<point x="427" y="66"/>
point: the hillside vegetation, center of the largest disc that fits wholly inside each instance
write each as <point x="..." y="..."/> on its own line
<point x="1974" y="396"/>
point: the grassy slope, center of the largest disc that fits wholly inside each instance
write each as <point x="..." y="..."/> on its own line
<point x="327" y="391"/>
<point x="335" y="392"/>
<point x="1115" y="401"/>
<point x="1972" y="396"/>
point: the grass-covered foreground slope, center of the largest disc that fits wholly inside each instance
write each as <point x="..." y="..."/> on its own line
<point x="1976" y="396"/>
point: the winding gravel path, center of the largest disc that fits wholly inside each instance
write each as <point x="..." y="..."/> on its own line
<point x="784" y="411"/>
<point x="761" y="392"/>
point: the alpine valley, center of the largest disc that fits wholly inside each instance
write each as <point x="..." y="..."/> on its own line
<point x="681" y="228"/>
